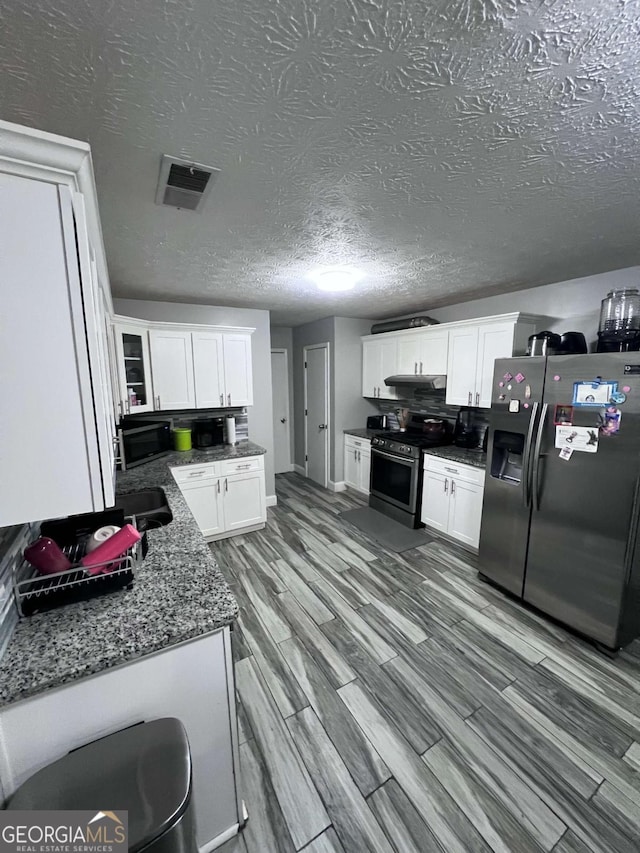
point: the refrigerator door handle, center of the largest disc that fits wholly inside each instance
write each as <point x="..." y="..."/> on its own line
<point x="526" y="459"/>
<point x="536" y="453"/>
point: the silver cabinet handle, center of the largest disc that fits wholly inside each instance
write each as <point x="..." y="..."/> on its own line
<point x="241" y="467"/>
<point x="226" y="485"/>
<point x="229" y="398"/>
<point x="222" y="399"/>
<point x="218" y="486"/>
<point x="121" y="407"/>
<point x="469" y="399"/>
<point x="358" y="456"/>
<point x="477" y="397"/>
<point x="451" y="470"/>
<point x="128" y="407"/>
<point x="453" y="487"/>
<point x="158" y="399"/>
<point x="446" y="486"/>
<point x="415" y="366"/>
<point x="420" y="367"/>
<point x="196" y="473"/>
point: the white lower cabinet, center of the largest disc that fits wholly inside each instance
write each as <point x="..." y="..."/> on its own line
<point x="225" y="497"/>
<point x="357" y="463"/>
<point x="192" y="681"/>
<point x="452" y="499"/>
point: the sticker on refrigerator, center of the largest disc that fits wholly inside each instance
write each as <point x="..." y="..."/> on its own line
<point x="610" y="421"/>
<point x="566" y="453"/>
<point x="584" y="439"/>
<point x="594" y="393"/>
<point x="563" y="415"/>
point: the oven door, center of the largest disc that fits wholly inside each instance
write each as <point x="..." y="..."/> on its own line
<point x="394" y="479"/>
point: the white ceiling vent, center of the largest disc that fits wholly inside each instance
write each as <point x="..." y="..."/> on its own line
<point x="183" y="183"/>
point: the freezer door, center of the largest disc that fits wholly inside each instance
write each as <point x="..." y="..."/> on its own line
<point x="506" y="508"/>
<point x="584" y="518"/>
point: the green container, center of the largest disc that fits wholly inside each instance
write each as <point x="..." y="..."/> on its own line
<point x="182" y="439"/>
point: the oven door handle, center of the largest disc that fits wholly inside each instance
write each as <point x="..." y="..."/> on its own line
<point x="393" y="456"/>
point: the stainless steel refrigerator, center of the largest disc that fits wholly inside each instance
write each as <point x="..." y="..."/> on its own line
<point x="561" y="503"/>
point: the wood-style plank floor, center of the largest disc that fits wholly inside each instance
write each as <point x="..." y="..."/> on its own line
<point x="397" y="703"/>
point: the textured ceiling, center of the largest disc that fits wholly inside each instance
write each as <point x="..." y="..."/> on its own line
<point x="447" y="148"/>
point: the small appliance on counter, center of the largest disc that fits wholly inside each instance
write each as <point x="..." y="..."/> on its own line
<point x="543" y="343"/>
<point x="466" y="432"/>
<point x="141" y="441"/>
<point x="377" y="422"/>
<point x="573" y="343"/>
<point x="208" y="432"/>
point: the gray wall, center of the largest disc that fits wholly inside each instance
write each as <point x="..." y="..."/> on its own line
<point x="569" y="305"/>
<point x="260" y="414"/>
<point x="319" y="332"/>
<point x="282" y="338"/>
<point x="350" y="408"/>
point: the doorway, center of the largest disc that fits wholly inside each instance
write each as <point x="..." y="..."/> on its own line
<point x="316" y="407"/>
<point x="281" y="411"/>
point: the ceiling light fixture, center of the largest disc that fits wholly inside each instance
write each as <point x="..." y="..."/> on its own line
<point x="335" y="278"/>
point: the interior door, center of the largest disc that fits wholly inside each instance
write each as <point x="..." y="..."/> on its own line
<point x="316" y="396"/>
<point x="208" y="370"/>
<point x="461" y="366"/>
<point x="238" y="374"/>
<point x="584" y="511"/>
<point x="281" y="417"/>
<point x="172" y="365"/>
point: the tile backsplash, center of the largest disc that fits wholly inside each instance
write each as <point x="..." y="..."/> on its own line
<point x="432" y="404"/>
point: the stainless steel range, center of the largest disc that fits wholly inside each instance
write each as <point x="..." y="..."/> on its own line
<point x="396" y="467"/>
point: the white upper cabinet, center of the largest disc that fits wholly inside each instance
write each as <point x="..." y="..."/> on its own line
<point x="473" y="350"/>
<point x="238" y="373"/>
<point x="379" y="360"/>
<point x="172" y="365"/>
<point x="208" y="369"/>
<point x="55" y="378"/>
<point x="133" y="365"/>
<point x="422" y="353"/>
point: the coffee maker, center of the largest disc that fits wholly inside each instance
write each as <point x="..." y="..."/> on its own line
<point x="466" y="432"/>
<point x="208" y="432"/>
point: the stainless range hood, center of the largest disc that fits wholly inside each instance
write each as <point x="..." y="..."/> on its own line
<point x="432" y="383"/>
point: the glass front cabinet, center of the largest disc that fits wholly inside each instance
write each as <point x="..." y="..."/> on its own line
<point x="135" y="394"/>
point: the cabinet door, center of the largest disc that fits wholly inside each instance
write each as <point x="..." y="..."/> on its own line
<point x="204" y="499"/>
<point x="408" y="355"/>
<point x="364" y="463"/>
<point x="134" y="369"/>
<point x="238" y="374"/>
<point x="244" y="500"/>
<point x="432" y="357"/>
<point x="461" y="366"/>
<point x="370" y="368"/>
<point x="465" y="512"/>
<point x="208" y="372"/>
<point x="388" y="367"/>
<point x="436" y="489"/>
<point x="494" y="341"/>
<point x="351" y="469"/>
<point x="172" y="365"/>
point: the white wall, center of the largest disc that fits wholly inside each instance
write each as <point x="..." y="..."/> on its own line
<point x="282" y="338"/>
<point x="572" y="305"/>
<point x="261" y="413"/>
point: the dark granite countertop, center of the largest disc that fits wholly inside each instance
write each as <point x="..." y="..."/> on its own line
<point x="475" y="458"/>
<point x="363" y="432"/>
<point x="179" y="594"/>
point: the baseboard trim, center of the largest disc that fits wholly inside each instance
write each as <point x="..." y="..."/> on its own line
<point x="221" y="839"/>
<point x="272" y="500"/>
<point x="300" y="469"/>
<point x="339" y="486"/>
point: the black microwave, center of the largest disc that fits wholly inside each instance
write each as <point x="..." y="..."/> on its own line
<point x="142" y="441"/>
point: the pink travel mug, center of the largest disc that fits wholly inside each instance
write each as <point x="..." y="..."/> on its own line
<point x="115" y="546"/>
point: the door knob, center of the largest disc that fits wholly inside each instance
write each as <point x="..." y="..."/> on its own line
<point x="322" y="426"/>
<point x="283" y="420"/>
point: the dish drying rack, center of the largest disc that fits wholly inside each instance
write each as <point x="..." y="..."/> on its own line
<point x="38" y="593"/>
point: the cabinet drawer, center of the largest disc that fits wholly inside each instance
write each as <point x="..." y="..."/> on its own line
<point x="194" y="473"/>
<point x="241" y="466"/>
<point x="453" y="469"/>
<point x="356" y="441"/>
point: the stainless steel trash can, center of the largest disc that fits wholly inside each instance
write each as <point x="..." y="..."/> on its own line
<point x="145" y="769"/>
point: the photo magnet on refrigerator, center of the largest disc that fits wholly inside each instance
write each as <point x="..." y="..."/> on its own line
<point x="563" y="415"/>
<point x="610" y="421"/>
<point x="584" y="439"/>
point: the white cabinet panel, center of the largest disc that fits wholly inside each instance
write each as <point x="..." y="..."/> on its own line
<point x="208" y="370"/>
<point x="379" y="360"/>
<point x="409" y="351"/>
<point x="465" y="512"/>
<point x="365" y="470"/>
<point x="370" y="368"/>
<point x="434" y="349"/>
<point x="172" y="362"/>
<point x="494" y="341"/>
<point x="238" y="373"/>
<point x="388" y="367"/>
<point x="461" y="366"/>
<point x="357" y="463"/>
<point x="204" y="500"/>
<point x="435" y="500"/>
<point x="351" y="467"/>
<point x="244" y="500"/>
